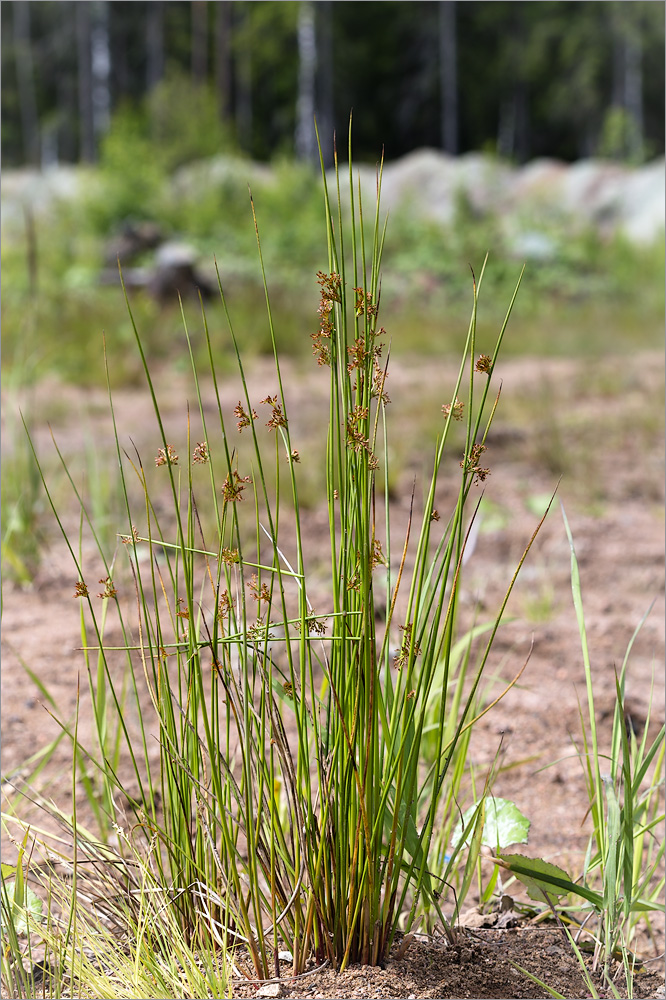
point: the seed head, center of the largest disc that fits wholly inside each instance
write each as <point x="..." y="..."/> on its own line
<point x="200" y="454"/>
<point x="244" y="419"/>
<point x="225" y="606"/>
<point x="166" y="456"/>
<point x="455" y="410"/>
<point x="277" y="416"/>
<point x="232" y="488"/>
<point x="109" y="589"/>
<point x="259" y="594"/>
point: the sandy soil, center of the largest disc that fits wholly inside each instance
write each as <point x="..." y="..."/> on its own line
<point x="554" y="417"/>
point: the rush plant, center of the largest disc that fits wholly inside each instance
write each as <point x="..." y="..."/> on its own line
<point x="291" y="811"/>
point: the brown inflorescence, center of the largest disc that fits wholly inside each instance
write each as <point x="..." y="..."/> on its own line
<point x="455" y="410"/>
<point x="201" y="454"/>
<point x="364" y="303"/>
<point x="330" y="293"/>
<point x="470" y="463"/>
<point x="233" y="486"/>
<point x="225" y="606"/>
<point x="166" y="456"/>
<point x="484" y="364"/>
<point x="277" y="416"/>
<point x="109" y="589"/>
<point x="244" y="419"/>
<point x="259" y="593"/>
<point x="403" y="656"/>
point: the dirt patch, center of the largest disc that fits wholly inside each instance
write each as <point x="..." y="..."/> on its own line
<point x="613" y="494"/>
<point x="482" y="965"/>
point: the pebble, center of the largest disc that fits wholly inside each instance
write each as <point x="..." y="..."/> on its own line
<point x="270" y="990"/>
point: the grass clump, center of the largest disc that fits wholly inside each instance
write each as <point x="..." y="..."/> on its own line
<point x="310" y="738"/>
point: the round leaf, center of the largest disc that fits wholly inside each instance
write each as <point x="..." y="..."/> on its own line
<point x="19" y="917"/>
<point x="504" y="824"/>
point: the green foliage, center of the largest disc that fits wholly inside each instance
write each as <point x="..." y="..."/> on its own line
<point x="177" y="123"/>
<point x="308" y="756"/>
<point x="184" y="122"/>
<point x="626" y="848"/>
<point x="297" y="809"/>
<point x="503" y="824"/>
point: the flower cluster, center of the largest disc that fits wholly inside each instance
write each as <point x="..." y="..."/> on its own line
<point x="377" y="557"/>
<point x="314" y="625"/>
<point x="258" y="631"/>
<point x="80" y="589"/>
<point x="402" y="656"/>
<point x="330" y="293"/>
<point x="259" y="593"/>
<point x="200" y="454"/>
<point x="355" y="437"/>
<point x="470" y="463"/>
<point x="166" y="456"/>
<point x="109" y="589"/>
<point x="277" y="417"/>
<point x="233" y="486"/>
<point x="225" y="606"/>
<point x="379" y="380"/>
<point x="134" y="537"/>
<point x="454" y="410"/>
<point x="484" y="364"/>
<point x="229" y="556"/>
<point x="357" y="355"/>
<point x="244" y="419"/>
<point x="364" y="303"/>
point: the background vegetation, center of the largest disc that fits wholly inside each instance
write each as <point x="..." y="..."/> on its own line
<point x="521" y="79"/>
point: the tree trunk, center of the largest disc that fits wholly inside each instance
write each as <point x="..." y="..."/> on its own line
<point x="84" y="57"/>
<point x="199" y="10"/>
<point x="448" y="58"/>
<point x="154" y="44"/>
<point x="306" y="140"/>
<point x="223" y="57"/>
<point x="325" y="107"/>
<point x="26" y="82"/>
<point x="633" y="95"/>
<point x="101" y="69"/>
<point x="627" y="93"/>
<point x="244" y="80"/>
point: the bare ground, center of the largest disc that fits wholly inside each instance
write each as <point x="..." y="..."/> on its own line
<point x="600" y="428"/>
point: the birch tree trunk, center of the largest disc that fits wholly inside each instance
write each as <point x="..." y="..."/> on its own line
<point x="101" y="69"/>
<point x="154" y="44"/>
<point x="223" y="57"/>
<point x="25" y="81"/>
<point x="199" y="10"/>
<point x="448" y="70"/>
<point x="84" y="59"/>
<point x="306" y="140"/>
<point x="325" y="67"/>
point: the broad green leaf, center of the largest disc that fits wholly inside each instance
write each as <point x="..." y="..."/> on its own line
<point x="7" y="870"/>
<point x="542" y="877"/>
<point x="33" y="905"/>
<point x="504" y="824"/>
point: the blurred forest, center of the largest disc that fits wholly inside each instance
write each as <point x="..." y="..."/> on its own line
<point x="520" y="79"/>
